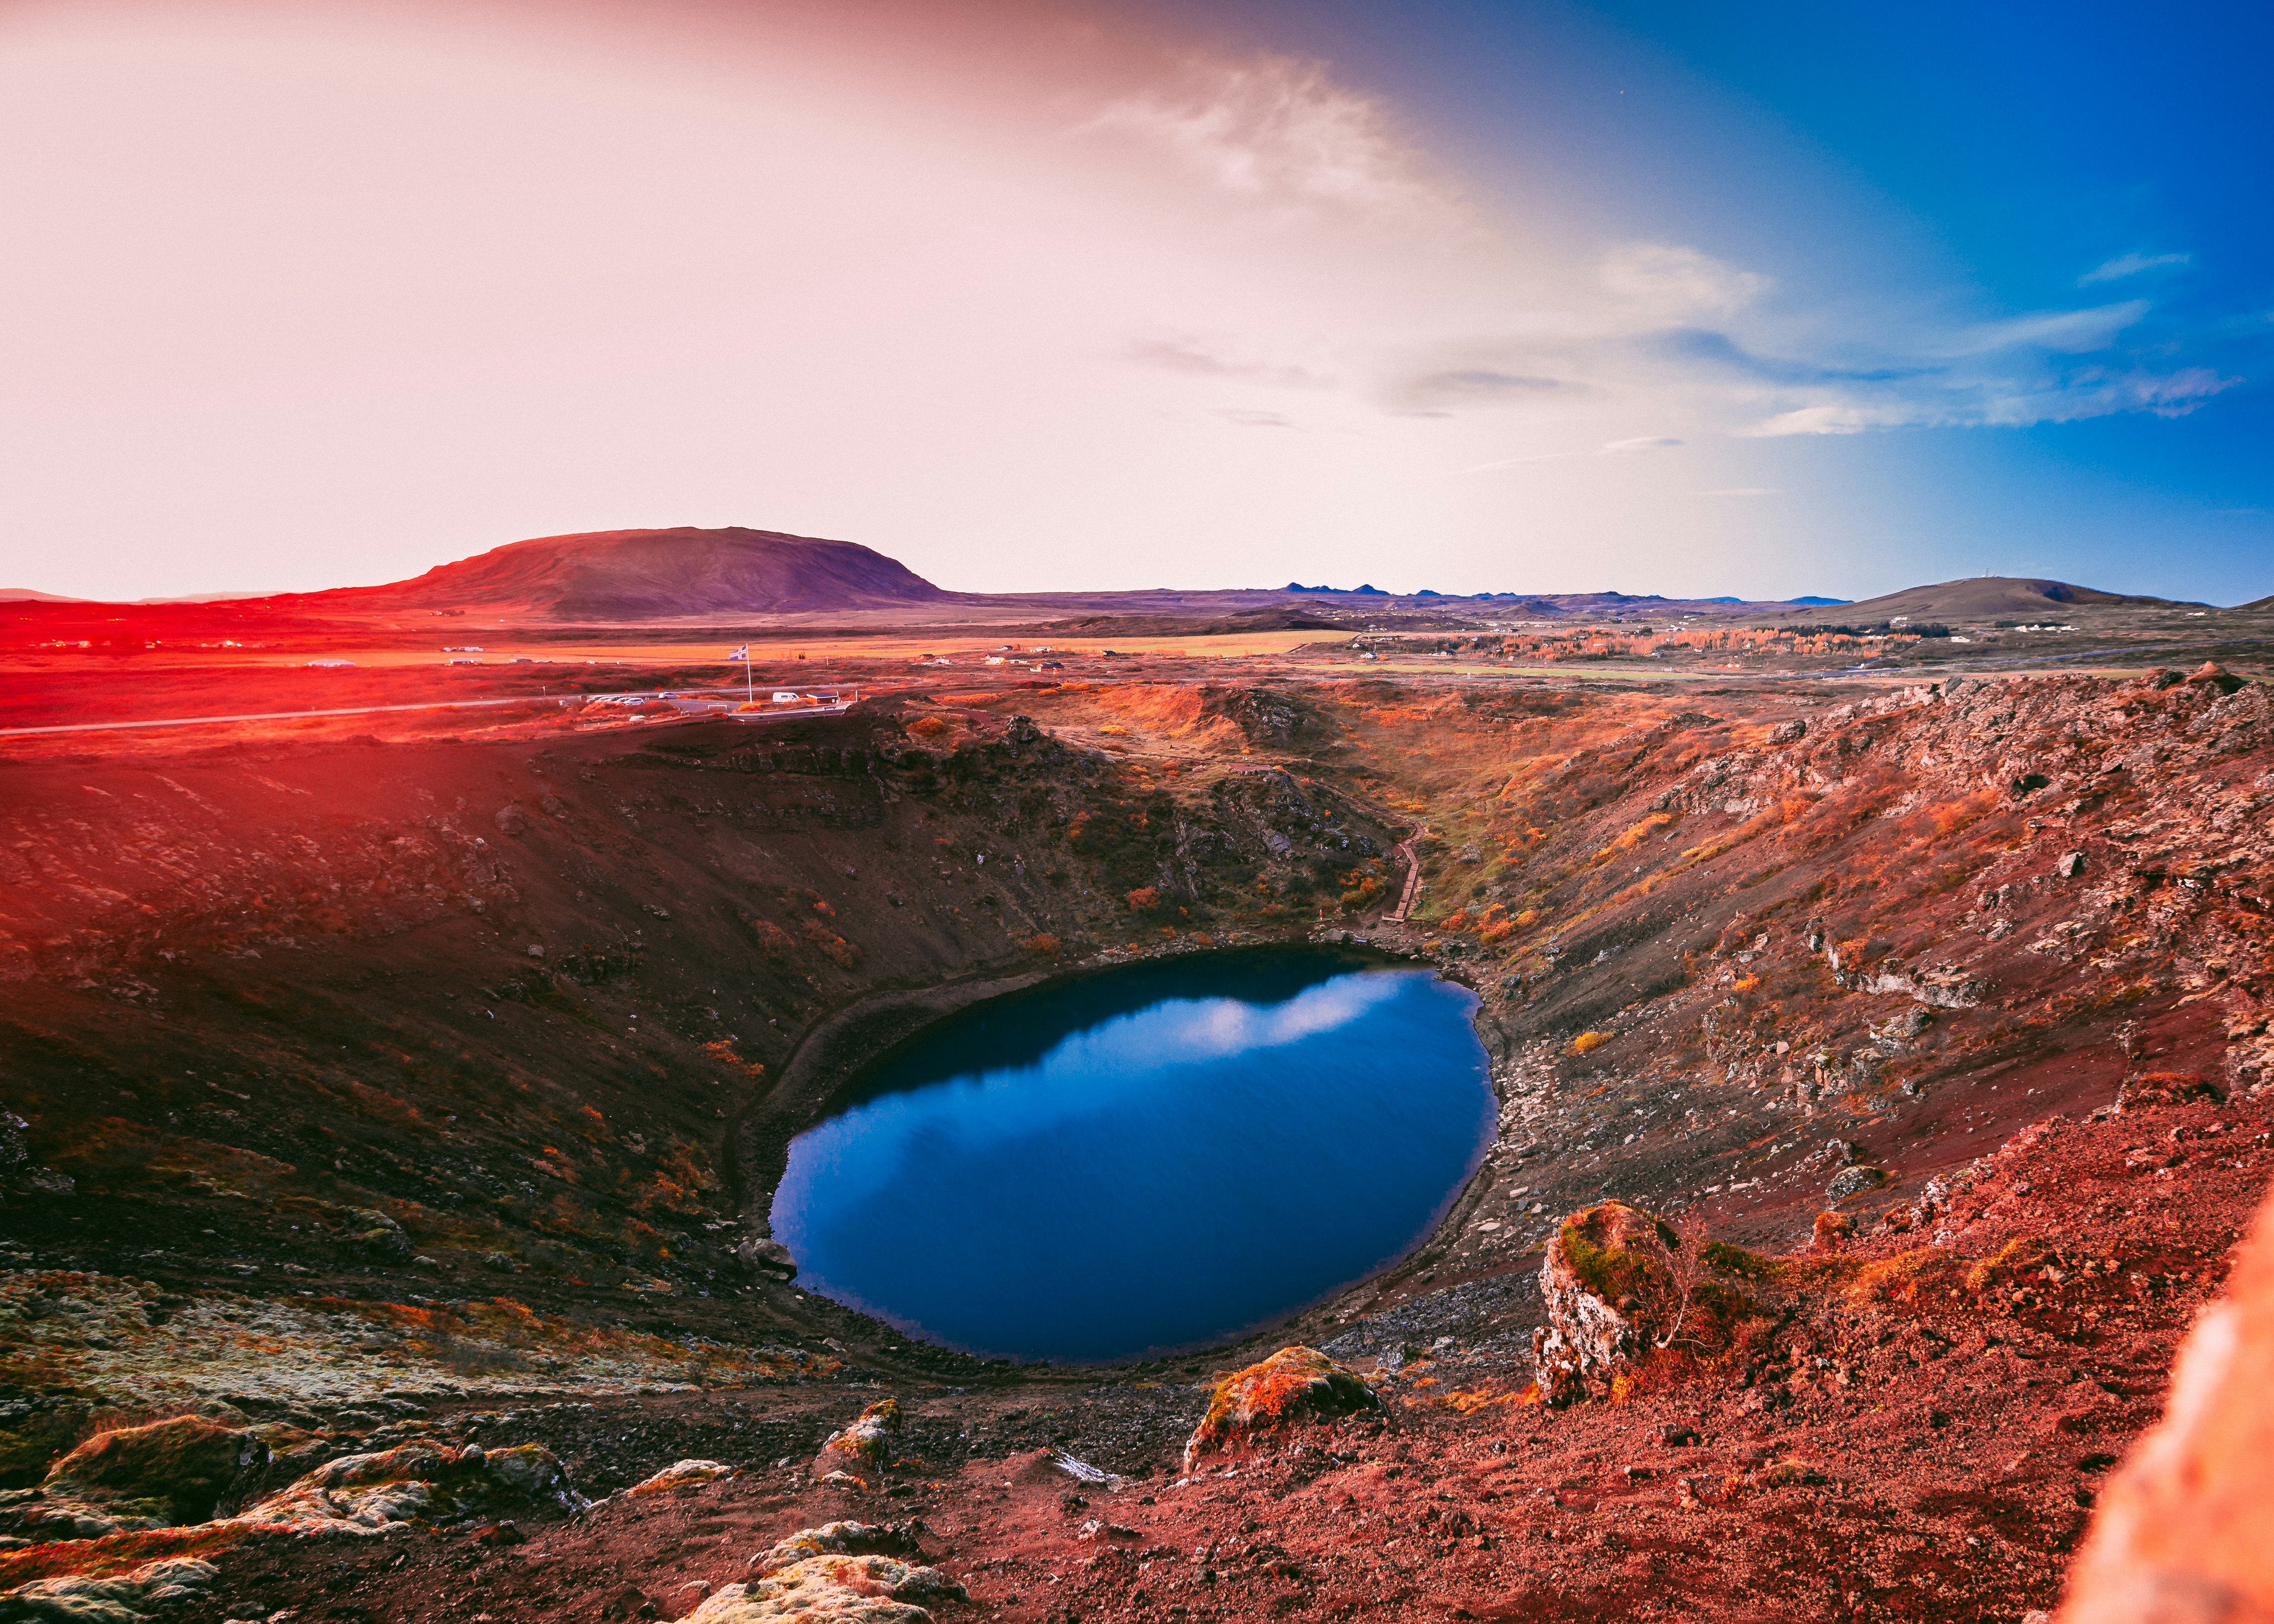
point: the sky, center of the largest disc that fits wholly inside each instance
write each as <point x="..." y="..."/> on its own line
<point x="1766" y="299"/>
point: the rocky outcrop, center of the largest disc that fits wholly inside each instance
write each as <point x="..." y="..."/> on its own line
<point x="2181" y="1535"/>
<point x="1293" y="1385"/>
<point x="845" y="1573"/>
<point x="370" y="1493"/>
<point x="864" y="1449"/>
<point x="1600" y="1279"/>
<point x="163" y="1475"/>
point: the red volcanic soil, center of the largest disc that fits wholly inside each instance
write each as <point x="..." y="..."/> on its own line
<point x="1922" y="1435"/>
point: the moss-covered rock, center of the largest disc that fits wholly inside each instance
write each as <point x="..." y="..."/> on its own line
<point x="1293" y="1385"/>
<point x="368" y="1493"/>
<point x="162" y="1474"/>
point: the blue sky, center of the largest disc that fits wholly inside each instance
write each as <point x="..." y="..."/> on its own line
<point x="1981" y="163"/>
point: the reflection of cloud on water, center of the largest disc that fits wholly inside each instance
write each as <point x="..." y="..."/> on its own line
<point x="1211" y="1028"/>
<point x="1087" y="1074"/>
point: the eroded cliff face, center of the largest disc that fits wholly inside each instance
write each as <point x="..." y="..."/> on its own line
<point x="382" y="1092"/>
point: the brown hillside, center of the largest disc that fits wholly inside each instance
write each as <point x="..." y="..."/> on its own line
<point x="1980" y="597"/>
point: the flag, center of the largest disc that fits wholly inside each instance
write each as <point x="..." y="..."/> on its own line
<point x="742" y="653"/>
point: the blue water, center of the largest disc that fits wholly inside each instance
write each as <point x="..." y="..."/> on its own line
<point x="1146" y="1158"/>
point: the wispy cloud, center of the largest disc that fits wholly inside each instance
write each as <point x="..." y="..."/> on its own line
<point x="1616" y="448"/>
<point x="2131" y="264"/>
<point x="1676" y="282"/>
<point x="1282" y="131"/>
<point x="1199" y="359"/>
<point x="1243" y="418"/>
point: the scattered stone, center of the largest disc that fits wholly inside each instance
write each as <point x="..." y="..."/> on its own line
<point x="1293" y="1385"/>
<point x="2070" y="865"/>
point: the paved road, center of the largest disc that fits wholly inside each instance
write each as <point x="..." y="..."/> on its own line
<point x="691" y="707"/>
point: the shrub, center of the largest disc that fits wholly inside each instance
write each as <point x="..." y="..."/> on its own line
<point x="1587" y="1040"/>
<point x="1144" y="899"/>
<point x="1044" y="944"/>
<point x="928" y="727"/>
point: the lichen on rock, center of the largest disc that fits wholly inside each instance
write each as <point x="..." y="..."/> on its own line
<point x="840" y="1589"/>
<point x="864" y="1449"/>
<point x="1293" y="1385"/>
<point x="845" y="1573"/>
<point x="682" y="1474"/>
<point x="1601" y="1278"/>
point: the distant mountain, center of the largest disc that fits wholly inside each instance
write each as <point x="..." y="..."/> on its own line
<point x="1991" y="597"/>
<point x="655" y="575"/>
<point x="25" y="595"/>
<point x="230" y="597"/>
<point x="1821" y="603"/>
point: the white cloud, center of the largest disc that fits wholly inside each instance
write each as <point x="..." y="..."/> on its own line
<point x="1674" y="283"/>
<point x="2131" y="264"/>
<point x="1280" y="131"/>
<point x="2071" y="332"/>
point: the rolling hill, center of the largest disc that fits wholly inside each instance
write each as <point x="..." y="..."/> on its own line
<point x="1982" y="597"/>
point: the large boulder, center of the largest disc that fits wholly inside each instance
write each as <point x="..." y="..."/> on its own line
<point x="864" y="1449"/>
<point x="163" y="1475"/>
<point x="1603" y="1281"/>
<point x="370" y="1493"/>
<point x="2180" y="1534"/>
<point x="1293" y="1385"/>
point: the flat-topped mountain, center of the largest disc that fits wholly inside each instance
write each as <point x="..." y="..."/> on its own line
<point x="657" y="574"/>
